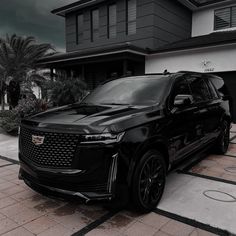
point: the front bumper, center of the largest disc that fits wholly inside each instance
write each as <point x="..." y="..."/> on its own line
<point x="72" y="182"/>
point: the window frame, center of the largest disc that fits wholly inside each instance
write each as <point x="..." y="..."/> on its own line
<point x="230" y="16"/>
<point x="92" y="25"/>
<point x="108" y="20"/>
<point x="77" y="29"/>
<point x="203" y="79"/>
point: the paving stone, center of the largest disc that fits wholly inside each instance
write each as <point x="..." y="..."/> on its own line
<point x="160" y="233"/>
<point x="119" y="223"/>
<point x="7" y="225"/>
<point x="40" y="225"/>
<point x="6" y="185"/>
<point x="19" y="232"/>
<point x="103" y="232"/>
<point x="177" y="228"/>
<point x="7" y="201"/>
<point x="13" y="209"/>
<point x="12" y="190"/>
<point x="57" y="230"/>
<point x="200" y="232"/>
<point x="154" y="220"/>
<point x="26" y="216"/>
<point x="140" y="229"/>
<point x="24" y="195"/>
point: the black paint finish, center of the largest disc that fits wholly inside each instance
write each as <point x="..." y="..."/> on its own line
<point x="98" y="167"/>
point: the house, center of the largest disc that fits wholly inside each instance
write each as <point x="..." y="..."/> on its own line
<point x="113" y="38"/>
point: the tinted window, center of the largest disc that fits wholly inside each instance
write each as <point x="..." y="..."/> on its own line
<point x="199" y="89"/>
<point x="131" y="91"/>
<point x="213" y="92"/>
<point x="181" y="87"/>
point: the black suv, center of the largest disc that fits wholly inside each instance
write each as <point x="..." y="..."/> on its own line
<point x="125" y="136"/>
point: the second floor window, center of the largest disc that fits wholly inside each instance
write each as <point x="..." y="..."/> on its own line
<point x="94" y="24"/>
<point x="112" y="20"/>
<point x="225" y="18"/>
<point x="80" y="24"/>
<point x="131" y="15"/>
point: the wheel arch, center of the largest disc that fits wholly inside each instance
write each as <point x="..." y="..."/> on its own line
<point x="158" y="145"/>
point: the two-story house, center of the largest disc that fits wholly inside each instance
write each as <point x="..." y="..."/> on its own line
<point x="107" y="38"/>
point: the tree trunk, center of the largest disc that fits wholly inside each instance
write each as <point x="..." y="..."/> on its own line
<point x="2" y="96"/>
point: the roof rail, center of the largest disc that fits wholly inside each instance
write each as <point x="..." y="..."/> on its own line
<point x="188" y="71"/>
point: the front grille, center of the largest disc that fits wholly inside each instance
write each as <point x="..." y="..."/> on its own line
<point x="57" y="150"/>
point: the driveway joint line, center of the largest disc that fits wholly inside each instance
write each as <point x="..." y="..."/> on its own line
<point x="192" y="222"/>
<point x="7" y="165"/>
<point x="9" y="160"/>
<point x="207" y="177"/>
<point x="93" y="225"/>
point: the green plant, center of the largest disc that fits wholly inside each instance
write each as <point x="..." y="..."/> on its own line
<point x="18" y="55"/>
<point x="10" y="119"/>
<point x="67" y="90"/>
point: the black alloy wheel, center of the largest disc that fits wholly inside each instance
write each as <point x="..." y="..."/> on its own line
<point x="222" y="142"/>
<point x="149" y="181"/>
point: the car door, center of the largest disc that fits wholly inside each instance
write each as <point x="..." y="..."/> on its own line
<point x="202" y="99"/>
<point x="182" y="130"/>
<point x="215" y="112"/>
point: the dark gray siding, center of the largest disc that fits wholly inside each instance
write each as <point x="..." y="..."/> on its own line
<point x="172" y="21"/>
<point x="158" y="22"/>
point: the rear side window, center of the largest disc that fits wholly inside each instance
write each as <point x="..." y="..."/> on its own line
<point x="199" y="89"/>
<point x="220" y="86"/>
<point x="213" y="92"/>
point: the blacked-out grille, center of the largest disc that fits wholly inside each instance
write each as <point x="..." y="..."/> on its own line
<point x="57" y="150"/>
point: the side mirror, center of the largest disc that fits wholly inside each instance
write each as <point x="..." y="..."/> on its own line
<point x="183" y="100"/>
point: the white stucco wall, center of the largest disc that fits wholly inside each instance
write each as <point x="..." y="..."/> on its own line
<point x="203" y="22"/>
<point x="215" y="59"/>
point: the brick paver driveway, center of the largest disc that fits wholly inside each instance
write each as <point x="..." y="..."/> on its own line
<point x="24" y="212"/>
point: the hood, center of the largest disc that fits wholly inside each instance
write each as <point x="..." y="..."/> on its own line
<point x="84" y="118"/>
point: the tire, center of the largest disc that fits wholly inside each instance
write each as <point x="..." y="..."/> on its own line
<point x="148" y="181"/>
<point x="222" y="142"/>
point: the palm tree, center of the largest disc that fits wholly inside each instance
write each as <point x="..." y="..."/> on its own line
<point x="18" y="55"/>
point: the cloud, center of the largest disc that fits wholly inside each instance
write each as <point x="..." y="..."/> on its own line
<point x="34" y="18"/>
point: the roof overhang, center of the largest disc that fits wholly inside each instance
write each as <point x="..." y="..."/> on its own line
<point x="62" y="11"/>
<point x="199" y="4"/>
<point x="117" y="52"/>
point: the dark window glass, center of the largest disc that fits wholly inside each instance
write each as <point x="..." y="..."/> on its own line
<point x="130" y="91"/>
<point x="213" y="92"/>
<point x="112" y="20"/>
<point x="131" y="17"/>
<point x="94" y="24"/>
<point x="80" y="25"/>
<point x="225" y="18"/>
<point x="181" y="87"/>
<point x="199" y="89"/>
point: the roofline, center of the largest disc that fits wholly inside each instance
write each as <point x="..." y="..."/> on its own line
<point x="191" y="4"/>
<point x="193" y="48"/>
<point x="92" y="55"/>
<point x="61" y="11"/>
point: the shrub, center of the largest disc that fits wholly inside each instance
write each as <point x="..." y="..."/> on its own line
<point x="10" y="120"/>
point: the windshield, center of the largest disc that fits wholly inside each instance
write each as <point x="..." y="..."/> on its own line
<point x="143" y="90"/>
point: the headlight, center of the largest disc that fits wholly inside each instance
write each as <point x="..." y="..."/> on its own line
<point x="106" y="138"/>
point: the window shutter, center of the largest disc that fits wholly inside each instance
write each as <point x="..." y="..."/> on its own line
<point x="131" y="16"/>
<point x="112" y="21"/>
<point x="95" y="24"/>
<point x="222" y="18"/>
<point x="80" y="24"/>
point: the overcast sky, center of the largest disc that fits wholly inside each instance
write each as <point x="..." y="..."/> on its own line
<point x="34" y="18"/>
